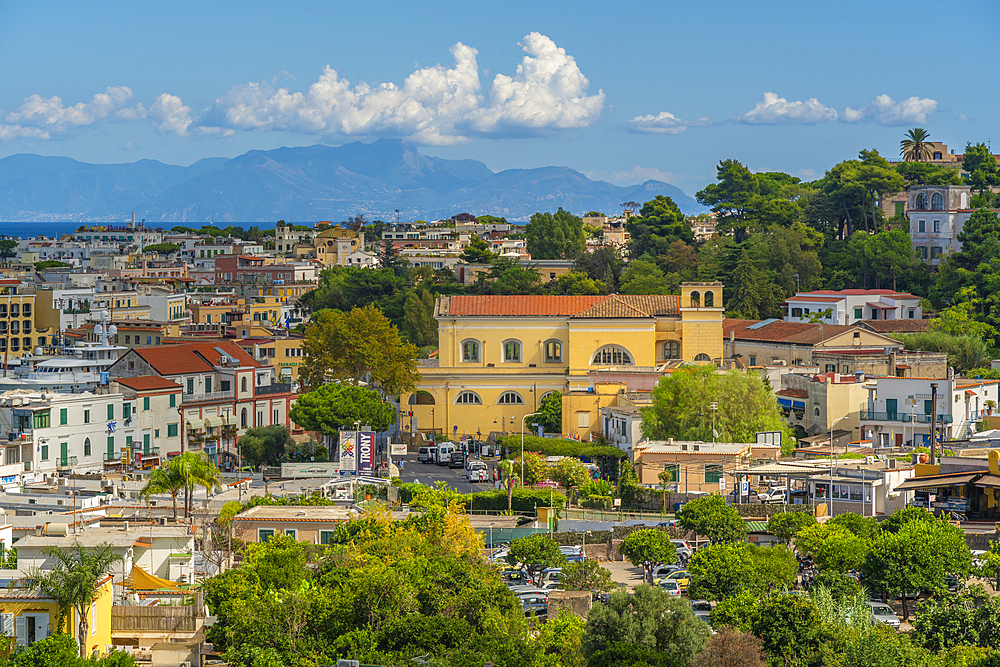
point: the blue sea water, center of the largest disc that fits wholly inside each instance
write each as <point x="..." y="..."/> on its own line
<point x="32" y="229"/>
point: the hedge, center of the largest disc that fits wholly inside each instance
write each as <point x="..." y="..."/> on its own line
<point x="556" y="447"/>
<point x="523" y="500"/>
<point x="596" y="502"/>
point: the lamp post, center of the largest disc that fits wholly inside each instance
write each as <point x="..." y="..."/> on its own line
<point x="531" y="414"/>
<point x="829" y="492"/>
<point x="714" y="406"/>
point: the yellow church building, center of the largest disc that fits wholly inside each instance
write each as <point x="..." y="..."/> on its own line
<point x="500" y="355"/>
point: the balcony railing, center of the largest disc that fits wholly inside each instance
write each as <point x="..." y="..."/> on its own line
<point x="903" y="417"/>
<point x="19" y="436"/>
<point x="208" y="396"/>
<point x="66" y="461"/>
<point x="151" y="453"/>
<point x="111" y="457"/>
<point x="276" y="388"/>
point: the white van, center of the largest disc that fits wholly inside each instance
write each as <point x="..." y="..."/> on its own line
<point x="444" y="452"/>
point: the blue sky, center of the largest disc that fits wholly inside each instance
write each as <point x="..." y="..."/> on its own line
<point x="621" y="91"/>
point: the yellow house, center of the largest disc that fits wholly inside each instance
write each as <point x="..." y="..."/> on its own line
<point x="500" y="355"/>
<point x="29" y="616"/>
<point x="331" y="246"/>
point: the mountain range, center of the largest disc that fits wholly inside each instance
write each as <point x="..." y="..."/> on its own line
<point x="304" y="184"/>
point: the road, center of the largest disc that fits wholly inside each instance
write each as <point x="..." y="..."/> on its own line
<point x="429" y="473"/>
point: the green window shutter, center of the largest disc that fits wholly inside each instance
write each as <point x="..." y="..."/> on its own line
<point x="173" y="400"/>
<point x="126" y="410"/>
<point x="713" y="473"/>
<point x="111" y="445"/>
<point x="326" y="537"/>
<point x="63" y="416"/>
<point x="145" y="402"/>
<point x="145" y="443"/>
<point x="45" y="452"/>
<point x="171" y="430"/>
<point x="111" y="411"/>
<point x="264" y="535"/>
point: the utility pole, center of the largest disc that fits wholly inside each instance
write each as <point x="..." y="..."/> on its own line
<point x="933" y="457"/>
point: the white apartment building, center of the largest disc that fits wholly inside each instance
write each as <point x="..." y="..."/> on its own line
<point x="898" y="410"/>
<point x="937" y="214"/>
<point x="849" y="306"/>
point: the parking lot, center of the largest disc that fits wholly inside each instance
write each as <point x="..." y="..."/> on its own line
<point x="429" y="473"/>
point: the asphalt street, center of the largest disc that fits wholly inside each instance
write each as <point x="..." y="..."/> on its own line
<point x="429" y="473"/>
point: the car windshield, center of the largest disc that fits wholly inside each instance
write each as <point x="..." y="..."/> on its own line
<point x="669" y="583"/>
<point x="701" y="606"/>
<point x="883" y="610"/>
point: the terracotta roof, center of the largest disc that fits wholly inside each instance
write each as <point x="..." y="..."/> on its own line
<point x="794" y="393"/>
<point x="779" y="331"/>
<point x="895" y="326"/>
<point x="516" y="306"/>
<point x="191" y="357"/>
<point x="824" y="299"/>
<point x="633" y="305"/>
<point x="864" y="292"/>
<point x="611" y="306"/>
<point x="148" y="383"/>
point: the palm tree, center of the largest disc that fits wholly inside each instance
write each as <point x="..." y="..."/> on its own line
<point x="196" y="470"/>
<point x="916" y="147"/>
<point x="167" y="479"/>
<point x="73" y="582"/>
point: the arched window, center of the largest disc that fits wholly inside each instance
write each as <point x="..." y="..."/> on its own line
<point x="671" y="350"/>
<point x="921" y="202"/>
<point x="696" y="299"/>
<point x="421" y="397"/>
<point x="243" y="384"/>
<point x="710" y="299"/>
<point x="703" y="357"/>
<point x="512" y="351"/>
<point x="510" y="398"/>
<point x="612" y="355"/>
<point x="468" y="398"/>
<point x="243" y="416"/>
<point x="937" y="202"/>
<point x="547" y="394"/>
<point x="553" y="350"/>
<point x="816" y="411"/>
<point x="470" y="350"/>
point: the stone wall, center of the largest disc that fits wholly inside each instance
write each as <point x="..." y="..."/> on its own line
<point x="575" y="602"/>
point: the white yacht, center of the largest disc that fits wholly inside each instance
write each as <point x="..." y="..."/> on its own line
<point x="68" y="369"/>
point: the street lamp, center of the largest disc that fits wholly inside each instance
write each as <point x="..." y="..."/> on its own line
<point x="532" y="414"/>
<point x="829" y="492"/>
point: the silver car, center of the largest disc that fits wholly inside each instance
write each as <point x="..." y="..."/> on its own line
<point x="702" y="609"/>
<point x="883" y="613"/>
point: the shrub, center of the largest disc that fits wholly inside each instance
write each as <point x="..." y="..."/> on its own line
<point x="597" y="502"/>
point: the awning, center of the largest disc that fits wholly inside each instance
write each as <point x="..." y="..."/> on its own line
<point x="799" y="405"/>
<point x="212" y="421"/>
<point x="881" y="306"/>
<point x="196" y="424"/>
<point x="936" y="482"/>
<point x="787" y="402"/>
<point x="969" y="392"/>
<point x="141" y="580"/>
<point x="991" y="481"/>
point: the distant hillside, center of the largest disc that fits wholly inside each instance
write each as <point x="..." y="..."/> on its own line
<point x="304" y="184"/>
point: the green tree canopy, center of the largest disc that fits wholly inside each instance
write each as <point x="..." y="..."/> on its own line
<point x="535" y="552"/>
<point x="265" y="445"/>
<point x="658" y="224"/>
<point x="719" y="571"/>
<point x="556" y="235"/>
<point x="785" y="525"/>
<point x="712" y="517"/>
<point x="550" y="413"/>
<point x="681" y="407"/>
<point x="162" y="248"/>
<point x="647" y="547"/>
<point x="643" y="276"/>
<point x="335" y="406"/>
<point x="361" y="346"/>
<point x="477" y="252"/>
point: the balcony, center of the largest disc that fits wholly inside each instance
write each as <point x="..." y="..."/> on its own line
<point x="23" y="437"/>
<point x="276" y="388"/>
<point x="902" y="417"/>
<point x="208" y="397"/>
<point x="112" y="457"/>
<point x="66" y="462"/>
<point x="151" y="453"/>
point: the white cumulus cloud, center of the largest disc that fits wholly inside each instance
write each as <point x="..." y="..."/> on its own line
<point x="663" y="123"/>
<point x="885" y="111"/>
<point x="51" y="115"/>
<point x="774" y="110"/>
<point x="433" y="105"/>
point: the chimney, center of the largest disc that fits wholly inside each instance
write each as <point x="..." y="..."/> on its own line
<point x="951" y="373"/>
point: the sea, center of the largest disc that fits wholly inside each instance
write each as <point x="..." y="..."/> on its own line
<point x="59" y="228"/>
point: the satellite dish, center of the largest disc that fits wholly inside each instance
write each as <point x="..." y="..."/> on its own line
<point x="38" y="350"/>
<point x="112" y="330"/>
<point x="99" y="328"/>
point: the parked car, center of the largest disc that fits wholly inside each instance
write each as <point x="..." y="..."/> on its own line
<point x="425" y="454"/>
<point x="670" y="586"/>
<point x="444" y="452"/>
<point x="684" y="550"/>
<point x="749" y="497"/>
<point x="552" y="586"/>
<point x="883" y="613"/>
<point x="681" y="577"/>
<point x="515" y="576"/>
<point x="551" y="574"/>
<point x="477" y="472"/>
<point x="702" y="609"/>
<point x="775" y="494"/>
<point x="536" y="610"/>
<point x="457" y="459"/>
<point x="661" y="571"/>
